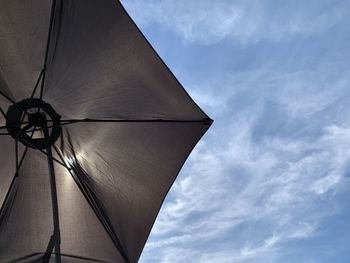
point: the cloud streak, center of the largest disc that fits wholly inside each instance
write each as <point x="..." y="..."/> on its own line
<point x="208" y="22"/>
<point x="223" y="191"/>
<point x="270" y="171"/>
<point x="242" y="196"/>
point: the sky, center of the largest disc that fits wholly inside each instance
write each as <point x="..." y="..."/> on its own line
<point x="269" y="182"/>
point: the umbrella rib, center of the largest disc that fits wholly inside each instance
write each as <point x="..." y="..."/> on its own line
<point x="3" y="127"/>
<point x="53" y="7"/>
<point x="16" y="150"/>
<point x="36" y="86"/>
<point x="3" y="113"/>
<point x="95" y="207"/>
<point x="24" y="152"/>
<point x="33" y="92"/>
<point x="72" y="121"/>
<point x="30" y="101"/>
<point x="21" y="259"/>
<point x="22" y="158"/>
<point x="20" y="123"/>
<point x="12" y="101"/>
<point x="18" y="166"/>
<point x="7" y="196"/>
<point x="7" y="97"/>
<point x="27" y="127"/>
<point x="132" y="120"/>
<point x="47" y="154"/>
<point x="13" y="180"/>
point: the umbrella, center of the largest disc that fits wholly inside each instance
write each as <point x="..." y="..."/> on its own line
<point x="94" y="130"/>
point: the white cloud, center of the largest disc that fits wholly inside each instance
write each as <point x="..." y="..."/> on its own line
<point x="207" y="21"/>
<point x="324" y="184"/>
<point x="248" y="251"/>
<point x="269" y="171"/>
<point x="304" y="230"/>
<point x="241" y="198"/>
<point x="244" y="183"/>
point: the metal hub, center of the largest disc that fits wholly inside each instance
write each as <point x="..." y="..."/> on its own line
<point x="34" y="123"/>
<point x="37" y="119"/>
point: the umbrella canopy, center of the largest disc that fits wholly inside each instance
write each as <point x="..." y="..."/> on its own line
<point x="94" y="130"/>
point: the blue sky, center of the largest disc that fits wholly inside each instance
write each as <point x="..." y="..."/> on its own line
<point x="270" y="181"/>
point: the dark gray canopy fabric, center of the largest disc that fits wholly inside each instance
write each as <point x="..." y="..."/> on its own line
<point x="127" y="128"/>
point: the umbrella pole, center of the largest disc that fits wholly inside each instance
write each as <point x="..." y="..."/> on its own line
<point x="56" y="233"/>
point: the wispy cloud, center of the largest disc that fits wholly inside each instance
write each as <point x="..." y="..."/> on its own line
<point x="208" y="22"/>
<point x="242" y="196"/>
<point x="270" y="170"/>
<point x="245" y="186"/>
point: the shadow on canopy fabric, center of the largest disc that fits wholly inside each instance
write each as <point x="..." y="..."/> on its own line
<point x="95" y="132"/>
